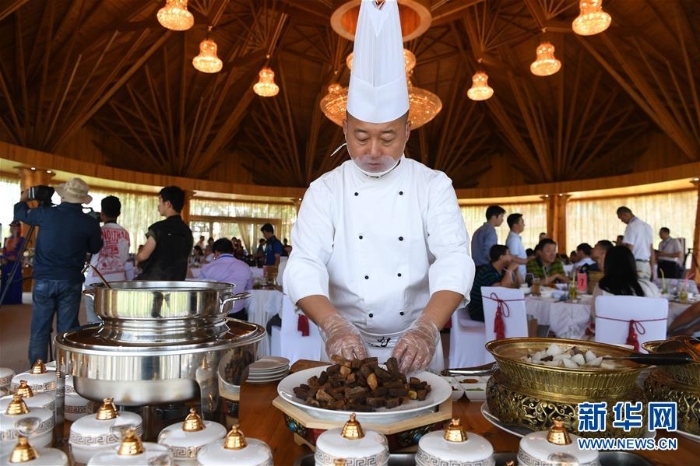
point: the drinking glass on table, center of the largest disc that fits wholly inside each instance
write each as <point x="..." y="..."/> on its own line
<point x="535" y="286"/>
<point x="683" y="292"/>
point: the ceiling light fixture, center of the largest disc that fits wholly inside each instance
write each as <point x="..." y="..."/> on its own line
<point x="266" y="86"/>
<point x="546" y="64"/>
<point x="423" y="105"/>
<point x="207" y="61"/>
<point x="175" y="15"/>
<point x="480" y="89"/>
<point x="592" y="19"/>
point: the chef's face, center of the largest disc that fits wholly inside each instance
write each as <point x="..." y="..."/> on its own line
<point x="375" y="147"/>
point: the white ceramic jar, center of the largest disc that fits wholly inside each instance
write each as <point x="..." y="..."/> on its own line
<point x="185" y="439"/>
<point x="46" y="400"/>
<point x="555" y="447"/>
<point x="6" y="375"/>
<point x="38" y="378"/>
<point x="131" y="452"/>
<point x="23" y="453"/>
<point x="454" y="447"/>
<point x="17" y="410"/>
<point x="351" y="445"/>
<point x="235" y="449"/>
<point x="91" y="434"/>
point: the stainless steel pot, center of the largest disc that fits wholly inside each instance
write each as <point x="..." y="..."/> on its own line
<point x="143" y="375"/>
<point x="143" y="299"/>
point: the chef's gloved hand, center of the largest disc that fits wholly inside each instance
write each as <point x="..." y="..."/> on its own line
<point x="416" y="348"/>
<point x="342" y="338"/>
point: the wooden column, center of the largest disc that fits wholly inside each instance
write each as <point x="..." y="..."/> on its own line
<point x="185" y="213"/>
<point x="695" y="262"/>
<point x="556" y="219"/>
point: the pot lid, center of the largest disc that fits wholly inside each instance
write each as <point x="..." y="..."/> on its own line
<point x="235" y="440"/>
<point x="255" y="453"/>
<point x="454" y="444"/>
<point x="193" y="422"/>
<point x="17" y="406"/>
<point x="556" y="447"/>
<point x="176" y="436"/>
<point x="107" y="410"/>
<point x="24" y="389"/>
<point x="131" y="444"/>
<point x="6" y="373"/>
<point x="38" y="368"/>
<point x="352" y="430"/>
<point x="23" y="452"/>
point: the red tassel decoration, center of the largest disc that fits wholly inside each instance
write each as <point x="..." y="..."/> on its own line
<point x="303" y="325"/>
<point x="499" y="326"/>
<point x="632" y="336"/>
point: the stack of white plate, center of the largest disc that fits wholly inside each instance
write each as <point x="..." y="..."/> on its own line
<point x="268" y="369"/>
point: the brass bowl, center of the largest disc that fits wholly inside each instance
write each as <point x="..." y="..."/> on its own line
<point x="686" y="374"/>
<point x="514" y="407"/>
<point x="582" y="384"/>
<point x="658" y="387"/>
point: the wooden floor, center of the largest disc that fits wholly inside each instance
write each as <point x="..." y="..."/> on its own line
<point x="15" y="321"/>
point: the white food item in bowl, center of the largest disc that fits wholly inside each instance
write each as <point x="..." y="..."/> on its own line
<point x="454" y="446"/>
<point x="352" y="445"/>
<point x="554" y="447"/>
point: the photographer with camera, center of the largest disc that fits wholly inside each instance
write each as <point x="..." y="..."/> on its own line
<point x="66" y="235"/>
<point x="110" y="262"/>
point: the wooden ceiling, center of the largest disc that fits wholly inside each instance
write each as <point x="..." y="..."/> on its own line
<point x="109" y="66"/>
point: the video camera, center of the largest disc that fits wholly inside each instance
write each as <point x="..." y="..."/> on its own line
<point x="91" y="212"/>
<point x="41" y="194"/>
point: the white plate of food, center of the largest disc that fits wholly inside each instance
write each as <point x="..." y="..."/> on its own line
<point x="440" y="391"/>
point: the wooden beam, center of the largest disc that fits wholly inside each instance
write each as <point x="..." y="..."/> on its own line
<point x="110" y="90"/>
<point x="11" y="7"/>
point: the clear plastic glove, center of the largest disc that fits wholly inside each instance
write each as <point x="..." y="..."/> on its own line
<point x="342" y="338"/>
<point x="416" y="348"/>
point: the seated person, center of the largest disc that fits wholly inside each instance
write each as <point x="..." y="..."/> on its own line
<point x="502" y="270"/>
<point x="547" y="266"/>
<point x="620" y="278"/>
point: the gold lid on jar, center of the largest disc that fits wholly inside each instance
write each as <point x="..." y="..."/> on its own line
<point x="558" y="434"/>
<point x="24" y="389"/>
<point x="107" y="410"/>
<point x="131" y="444"/>
<point x="193" y="423"/>
<point x="235" y="440"/>
<point x="17" y="406"/>
<point x="455" y="432"/>
<point x="352" y="430"/>
<point x="23" y="451"/>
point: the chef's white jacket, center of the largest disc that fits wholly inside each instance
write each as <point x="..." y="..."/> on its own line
<point x="378" y="248"/>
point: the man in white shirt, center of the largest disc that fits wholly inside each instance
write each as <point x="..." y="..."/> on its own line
<point x="380" y="259"/>
<point x="669" y="256"/>
<point x="227" y="269"/>
<point x="584" y="261"/>
<point x="111" y="260"/>
<point x="639" y="238"/>
<point x="514" y="242"/>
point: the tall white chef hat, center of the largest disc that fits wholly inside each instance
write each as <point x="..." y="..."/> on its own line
<point x="378" y="90"/>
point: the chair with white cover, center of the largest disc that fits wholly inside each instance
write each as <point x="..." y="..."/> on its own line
<point x="293" y="345"/>
<point x="511" y="302"/>
<point x="467" y="340"/>
<point x="619" y="319"/>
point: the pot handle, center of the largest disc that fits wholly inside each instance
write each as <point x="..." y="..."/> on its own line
<point x="230" y="297"/>
<point x="89" y="293"/>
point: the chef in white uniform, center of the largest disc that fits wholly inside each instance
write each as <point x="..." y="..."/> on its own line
<point x="380" y="258"/>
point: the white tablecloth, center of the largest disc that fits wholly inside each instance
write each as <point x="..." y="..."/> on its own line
<point x="569" y="320"/>
<point x="262" y="306"/>
<point x="257" y="272"/>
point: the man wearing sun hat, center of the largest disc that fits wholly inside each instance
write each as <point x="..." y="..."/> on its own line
<point x="66" y="235"/>
<point x="380" y="258"/>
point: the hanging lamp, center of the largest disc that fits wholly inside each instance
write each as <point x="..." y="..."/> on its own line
<point x="266" y="86"/>
<point x="591" y="19"/>
<point x="546" y="64"/>
<point x="207" y="61"/>
<point x="175" y="15"/>
<point x="480" y="89"/>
